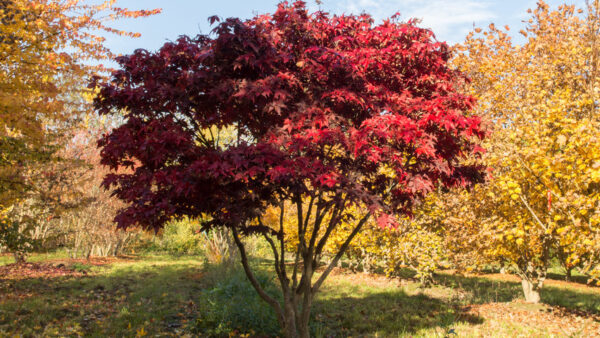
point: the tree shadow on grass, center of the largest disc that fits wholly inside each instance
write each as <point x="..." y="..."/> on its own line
<point x="177" y="299"/>
<point x="557" y="274"/>
<point x="340" y="309"/>
<point x="120" y="303"/>
<point x="574" y="279"/>
<point x="173" y="298"/>
<point x="481" y="290"/>
<point x="384" y="313"/>
<point x="485" y="290"/>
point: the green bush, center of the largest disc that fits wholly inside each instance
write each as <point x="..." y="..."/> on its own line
<point x="257" y="247"/>
<point x="181" y="237"/>
<point x="15" y="238"/>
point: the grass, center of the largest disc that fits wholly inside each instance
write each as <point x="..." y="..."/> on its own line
<point x="123" y="299"/>
<point x="356" y="305"/>
<point x="356" y="309"/>
<point x="231" y="304"/>
<point x="161" y="295"/>
<point x="494" y="288"/>
<point x="38" y="257"/>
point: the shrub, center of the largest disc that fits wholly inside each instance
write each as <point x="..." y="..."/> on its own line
<point x="219" y="247"/>
<point x="14" y="236"/>
<point x="90" y="231"/>
<point x="181" y="237"/>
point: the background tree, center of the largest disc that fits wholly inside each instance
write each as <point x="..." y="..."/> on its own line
<point x="542" y="98"/>
<point x="48" y="49"/>
<point x="335" y="111"/>
<point x="87" y="224"/>
<point x="415" y="243"/>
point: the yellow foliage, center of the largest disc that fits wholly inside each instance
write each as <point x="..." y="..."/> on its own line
<point x="44" y="49"/>
<point x="542" y="100"/>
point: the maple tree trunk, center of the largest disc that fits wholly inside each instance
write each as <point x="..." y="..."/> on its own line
<point x="294" y="314"/>
<point x="289" y="324"/>
<point x="293" y="319"/>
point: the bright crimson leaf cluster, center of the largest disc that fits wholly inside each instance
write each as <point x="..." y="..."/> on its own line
<point x="329" y="105"/>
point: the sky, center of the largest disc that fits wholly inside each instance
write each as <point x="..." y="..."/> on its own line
<point x="450" y="20"/>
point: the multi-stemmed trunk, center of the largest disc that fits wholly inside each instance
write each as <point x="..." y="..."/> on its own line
<point x="531" y="290"/>
<point x="563" y="255"/>
<point x="297" y="287"/>
<point x="532" y="281"/>
<point x="532" y="269"/>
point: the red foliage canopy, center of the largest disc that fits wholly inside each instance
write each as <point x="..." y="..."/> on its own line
<point x="327" y="105"/>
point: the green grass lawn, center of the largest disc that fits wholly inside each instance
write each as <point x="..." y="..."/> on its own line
<point x="153" y="294"/>
<point x="161" y="295"/>
<point x="38" y="257"/>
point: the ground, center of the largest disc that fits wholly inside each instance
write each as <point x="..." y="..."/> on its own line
<point x="162" y="295"/>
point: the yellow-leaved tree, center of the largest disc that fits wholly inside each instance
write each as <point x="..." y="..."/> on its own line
<point x="48" y="50"/>
<point x="542" y="201"/>
<point x="416" y="243"/>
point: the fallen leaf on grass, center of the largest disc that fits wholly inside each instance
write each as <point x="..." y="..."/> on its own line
<point x="555" y="319"/>
<point x="35" y="270"/>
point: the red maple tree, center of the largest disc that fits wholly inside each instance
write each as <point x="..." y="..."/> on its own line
<point x="330" y="110"/>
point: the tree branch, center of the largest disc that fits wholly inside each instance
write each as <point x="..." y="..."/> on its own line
<point x="319" y="216"/>
<point x="300" y="222"/>
<point x="244" y="258"/>
<point x="532" y="212"/>
<point x="275" y="254"/>
<point x="337" y="257"/>
<point x="332" y="223"/>
<point x="309" y="211"/>
<point x="281" y="240"/>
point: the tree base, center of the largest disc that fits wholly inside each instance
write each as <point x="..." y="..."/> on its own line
<point x="532" y="293"/>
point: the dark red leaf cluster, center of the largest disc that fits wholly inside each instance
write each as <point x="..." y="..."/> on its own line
<point x="320" y="104"/>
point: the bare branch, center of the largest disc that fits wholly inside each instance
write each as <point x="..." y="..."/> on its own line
<point x="281" y="240"/>
<point x="275" y="254"/>
<point x="301" y="230"/>
<point x="335" y="218"/>
<point x="532" y="212"/>
<point x="244" y="258"/>
<point x="318" y="220"/>
<point x="309" y="211"/>
<point x="337" y="257"/>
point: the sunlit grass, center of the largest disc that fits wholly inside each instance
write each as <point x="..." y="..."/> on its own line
<point x="38" y="257"/>
<point x="161" y="295"/>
